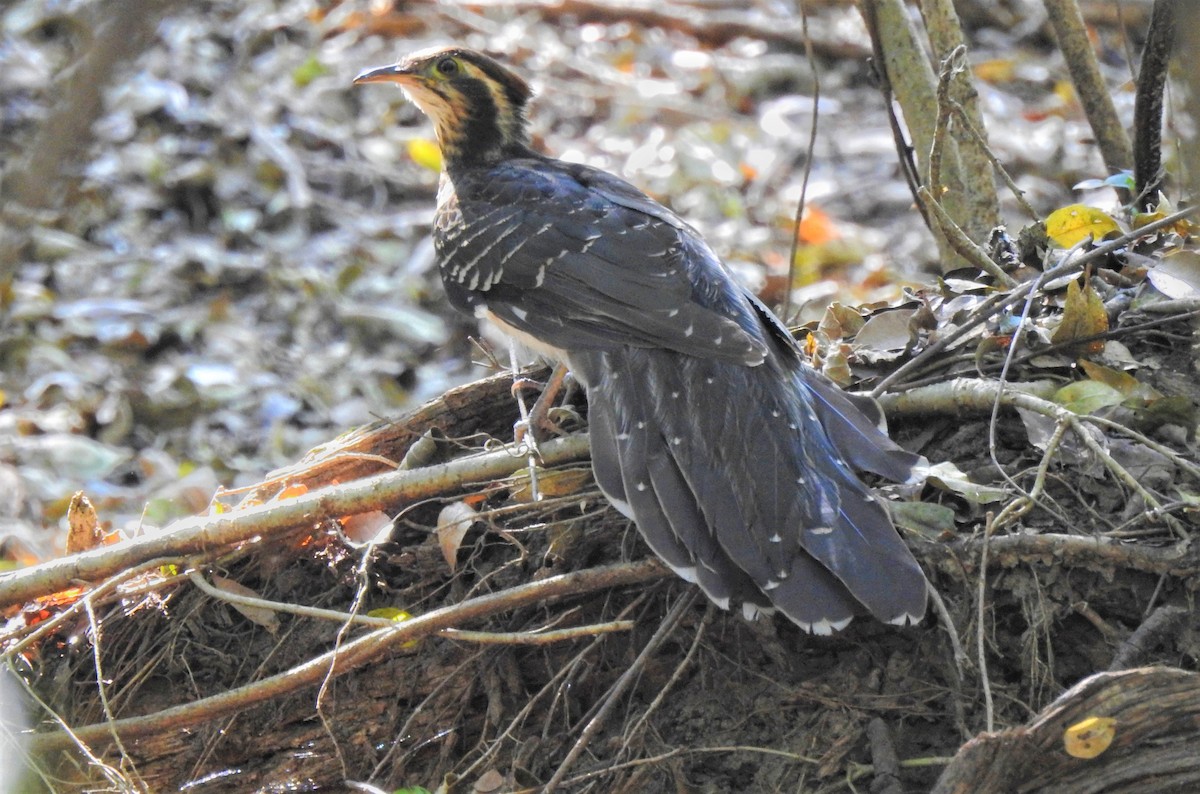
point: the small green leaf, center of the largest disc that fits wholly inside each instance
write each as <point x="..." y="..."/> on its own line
<point x="930" y="521"/>
<point x="308" y="71"/>
<point x="1174" y="410"/>
<point x="1087" y="396"/>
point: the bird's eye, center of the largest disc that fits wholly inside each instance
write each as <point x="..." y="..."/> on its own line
<point x="447" y="66"/>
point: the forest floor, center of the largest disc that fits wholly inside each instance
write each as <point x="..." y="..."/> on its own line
<point x="235" y="269"/>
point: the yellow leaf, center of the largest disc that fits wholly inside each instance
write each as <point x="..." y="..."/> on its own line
<point x="396" y="615"/>
<point x="997" y="70"/>
<point x="1183" y="227"/>
<point x="1087" y="396"/>
<point x="425" y="153"/>
<point x="308" y="71"/>
<point x="1072" y="224"/>
<point x="1090" y="737"/>
<point x="1065" y="91"/>
<point x="390" y="613"/>
<point x="1083" y="316"/>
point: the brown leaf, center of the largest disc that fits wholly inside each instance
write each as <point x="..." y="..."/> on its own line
<point x="490" y="781"/>
<point x="1123" y="382"/>
<point x="261" y="616"/>
<point x="453" y="523"/>
<point x="1083" y="316"/>
<point x="363" y="527"/>
<point x="83" y="524"/>
<point x="840" y="322"/>
<point x="887" y="334"/>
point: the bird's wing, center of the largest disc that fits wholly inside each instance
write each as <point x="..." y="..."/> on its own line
<point x="583" y="261"/>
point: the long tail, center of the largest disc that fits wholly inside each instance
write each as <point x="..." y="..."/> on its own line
<point x="739" y="478"/>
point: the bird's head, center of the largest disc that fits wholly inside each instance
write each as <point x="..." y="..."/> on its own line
<point x="476" y="105"/>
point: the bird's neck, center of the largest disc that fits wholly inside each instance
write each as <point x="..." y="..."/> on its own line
<point x="479" y="154"/>
<point x="484" y="131"/>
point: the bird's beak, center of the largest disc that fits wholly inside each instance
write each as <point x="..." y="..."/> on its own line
<point x="396" y="73"/>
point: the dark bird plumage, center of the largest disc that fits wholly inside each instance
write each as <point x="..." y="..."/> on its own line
<point x="708" y="428"/>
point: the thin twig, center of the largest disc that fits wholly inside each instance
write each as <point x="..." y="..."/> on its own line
<point x="352" y="655"/>
<point x="676" y="674"/>
<point x="960" y="242"/>
<point x="981" y="628"/>
<point x="613" y="696"/>
<point x="1164" y="621"/>
<point x="808" y="163"/>
<point x="203" y="534"/>
<point x="536" y="637"/>
<point x="989" y="307"/>
<point x="553" y="685"/>
<point x="939" y="605"/>
<point x="98" y="666"/>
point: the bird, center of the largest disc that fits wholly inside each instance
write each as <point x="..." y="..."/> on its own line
<point x="709" y="428"/>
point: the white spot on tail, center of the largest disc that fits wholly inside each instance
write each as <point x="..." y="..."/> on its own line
<point x="752" y="611"/>
<point x="827" y="627"/>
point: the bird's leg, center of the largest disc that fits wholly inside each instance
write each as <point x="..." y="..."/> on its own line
<point x="540" y="423"/>
<point x="522" y="437"/>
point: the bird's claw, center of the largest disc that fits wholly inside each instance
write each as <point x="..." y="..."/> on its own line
<point x="525" y="438"/>
<point x="522" y="385"/>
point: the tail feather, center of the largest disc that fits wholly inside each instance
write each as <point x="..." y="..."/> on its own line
<point x="735" y="478"/>
<point x="853" y="424"/>
<point x="634" y="468"/>
<point x="852" y="429"/>
<point x="716" y="574"/>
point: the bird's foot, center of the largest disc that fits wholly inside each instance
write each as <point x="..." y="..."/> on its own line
<point x="525" y="439"/>
<point x="542" y="420"/>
